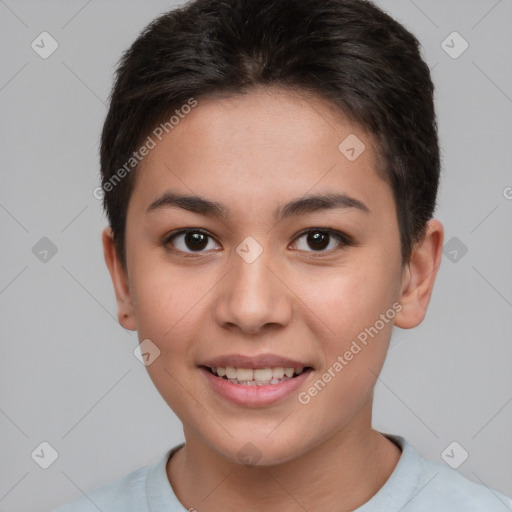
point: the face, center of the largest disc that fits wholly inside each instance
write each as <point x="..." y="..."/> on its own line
<point x="258" y="274"/>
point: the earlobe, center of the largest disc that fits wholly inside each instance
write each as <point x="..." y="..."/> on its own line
<point x="125" y="311"/>
<point x="419" y="276"/>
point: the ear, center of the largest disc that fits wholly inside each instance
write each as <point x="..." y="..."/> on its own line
<point x="419" y="276"/>
<point x="125" y="311"/>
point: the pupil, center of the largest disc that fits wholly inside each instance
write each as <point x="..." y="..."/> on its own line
<point x="195" y="241"/>
<point x="318" y="240"/>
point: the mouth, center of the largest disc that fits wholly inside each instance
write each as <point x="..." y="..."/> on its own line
<point x="257" y="376"/>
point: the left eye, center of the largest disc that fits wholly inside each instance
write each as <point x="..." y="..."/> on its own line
<point x="322" y="240"/>
<point x="195" y="240"/>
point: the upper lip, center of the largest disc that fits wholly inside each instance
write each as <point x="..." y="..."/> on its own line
<point x="257" y="361"/>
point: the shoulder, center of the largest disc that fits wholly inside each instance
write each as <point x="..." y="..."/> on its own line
<point x="426" y="485"/>
<point x="443" y="486"/>
<point x="129" y="493"/>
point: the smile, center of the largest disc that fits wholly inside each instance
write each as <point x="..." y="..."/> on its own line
<point x="255" y="387"/>
<point x="258" y="376"/>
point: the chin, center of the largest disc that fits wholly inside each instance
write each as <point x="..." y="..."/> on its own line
<point x="260" y="450"/>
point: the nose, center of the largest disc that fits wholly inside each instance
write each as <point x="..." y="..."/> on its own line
<point x="253" y="296"/>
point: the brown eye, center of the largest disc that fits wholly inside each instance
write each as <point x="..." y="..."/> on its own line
<point x="321" y="240"/>
<point x="318" y="241"/>
<point x="191" y="240"/>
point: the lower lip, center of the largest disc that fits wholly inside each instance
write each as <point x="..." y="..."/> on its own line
<point x="254" y="396"/>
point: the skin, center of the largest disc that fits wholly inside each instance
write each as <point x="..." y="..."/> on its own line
<point x="254" y="153"/>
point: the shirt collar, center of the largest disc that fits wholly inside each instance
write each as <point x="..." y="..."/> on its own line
<point x="395" y="494"/>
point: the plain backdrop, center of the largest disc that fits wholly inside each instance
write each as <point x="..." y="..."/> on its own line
<point x="68" y="375"/>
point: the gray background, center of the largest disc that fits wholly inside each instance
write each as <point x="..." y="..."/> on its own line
<point x="68" y="375"/>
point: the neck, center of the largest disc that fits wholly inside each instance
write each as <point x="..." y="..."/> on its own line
<point x="342" y="473"/>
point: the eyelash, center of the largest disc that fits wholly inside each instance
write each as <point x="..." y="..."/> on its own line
<point x="343" y="239"/>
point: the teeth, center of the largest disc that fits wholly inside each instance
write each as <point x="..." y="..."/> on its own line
<point x="278" y="372"/>
<point x="244" y="374"/>
<point x="230" y="372"/>
<point x="253" y="382"/>
<point x="288" y="372"/>
<point x="262" y="374"/>
<point x="258" y="376"/>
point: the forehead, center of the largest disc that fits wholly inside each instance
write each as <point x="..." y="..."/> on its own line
<point x="260" y="147"/>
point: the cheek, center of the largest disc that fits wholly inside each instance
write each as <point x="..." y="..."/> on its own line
<point x="358" y="306"/>
<point x="348" y="299"/>
<point x="168" y="303"/>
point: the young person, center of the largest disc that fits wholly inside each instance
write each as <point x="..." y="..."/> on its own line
<point x="270" y="171"/>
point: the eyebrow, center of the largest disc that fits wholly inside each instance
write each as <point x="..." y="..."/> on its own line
<point x="301" y="206"/>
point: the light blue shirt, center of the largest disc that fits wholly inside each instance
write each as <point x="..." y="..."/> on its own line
<point x="416" y="485"/>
